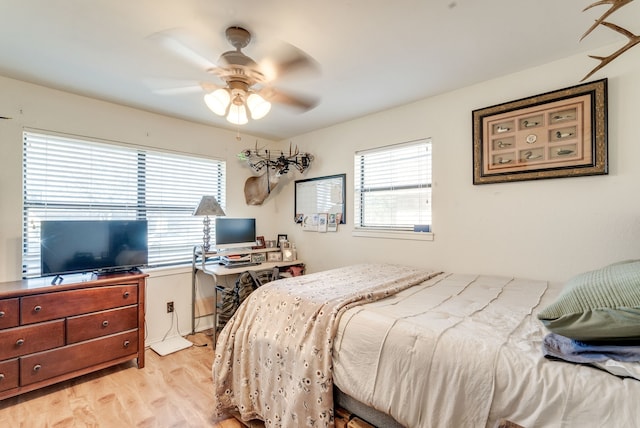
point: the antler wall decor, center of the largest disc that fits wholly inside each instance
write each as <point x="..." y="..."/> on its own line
<point x="259" y="159"/>
<point x="257" y="188"/>
<point x="633" y="39"/>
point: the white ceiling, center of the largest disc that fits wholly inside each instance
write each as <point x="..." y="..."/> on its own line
<point x="373" y="54"/>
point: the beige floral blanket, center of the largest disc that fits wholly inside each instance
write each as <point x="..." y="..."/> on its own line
<point x="273" y="359"/>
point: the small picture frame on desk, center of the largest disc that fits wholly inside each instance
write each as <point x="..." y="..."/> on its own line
<point x="287" y="254"/>
<point x="260" y="243"/>
<point x="258" y="257"/>
<point x="274" y="256"/>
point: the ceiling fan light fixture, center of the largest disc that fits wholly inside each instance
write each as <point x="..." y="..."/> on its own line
<point x="218" y="101"/>
<point x="237" y="114"/>
<point x="258" y="106"/>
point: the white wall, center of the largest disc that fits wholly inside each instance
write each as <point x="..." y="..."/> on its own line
<point x="549" y="229"/>
<point x="35" y="107"/>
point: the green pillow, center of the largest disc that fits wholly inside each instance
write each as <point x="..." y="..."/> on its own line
<point x="603" y="304"/>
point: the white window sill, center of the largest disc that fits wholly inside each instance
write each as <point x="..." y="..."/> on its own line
<point x="393" y="234"/>
<point x="167" y="270"/>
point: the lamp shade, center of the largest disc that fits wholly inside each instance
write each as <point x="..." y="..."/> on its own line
<point x="258" y="106"/>
<point x="237" y="104"/>
<point x="218" y="101"/>
<point x="237" y="114"/>
<point x="209" y="206"/>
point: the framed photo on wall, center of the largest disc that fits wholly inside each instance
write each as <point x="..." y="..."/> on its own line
<point x="557" y="134"/>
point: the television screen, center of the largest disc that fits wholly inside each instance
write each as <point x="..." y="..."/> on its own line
<point x="88" y="245"/>
<point x="235" y="232"/>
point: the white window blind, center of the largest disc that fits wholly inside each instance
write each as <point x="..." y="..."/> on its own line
<point x="66" y="178"/>
<point x="393" y="186"/>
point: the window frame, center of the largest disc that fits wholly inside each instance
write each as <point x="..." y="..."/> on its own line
<point x="391" y="231"/>
<point x="152" y="184"/>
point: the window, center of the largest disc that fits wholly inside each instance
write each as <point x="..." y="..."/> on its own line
<point x="393" y="187"/>
<point x="66" y="178"/>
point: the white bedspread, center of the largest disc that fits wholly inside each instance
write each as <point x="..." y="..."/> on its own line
<point x="464" y="351"/>
<point x="273" y="358"/>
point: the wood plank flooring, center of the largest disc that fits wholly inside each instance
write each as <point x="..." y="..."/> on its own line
<point x="171" y="391"/>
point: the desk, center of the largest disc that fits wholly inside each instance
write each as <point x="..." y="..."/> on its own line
<point x="205" y="263"/>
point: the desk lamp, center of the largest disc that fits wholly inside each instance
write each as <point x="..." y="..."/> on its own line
<point x="208" y="206"/>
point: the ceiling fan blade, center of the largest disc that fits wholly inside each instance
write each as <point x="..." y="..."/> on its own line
<point x="178" y="91"/>
<point x="171" y="41"/>
<point x="288" y="60"/>
<point x="210" y="87"/>
<point x="299" y="102"/>
<point x="179" y="87"/>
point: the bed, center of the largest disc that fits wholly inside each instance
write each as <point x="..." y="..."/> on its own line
<point x="424" y="348"/>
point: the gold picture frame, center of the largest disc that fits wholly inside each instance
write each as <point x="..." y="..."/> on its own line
<point x="557" y="134"/>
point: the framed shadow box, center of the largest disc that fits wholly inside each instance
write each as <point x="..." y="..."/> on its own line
<point x="556" y="134"/>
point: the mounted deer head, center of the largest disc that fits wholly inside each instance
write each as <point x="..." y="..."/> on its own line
<point x="258" y="188"/>
<point x="633" y="39"/>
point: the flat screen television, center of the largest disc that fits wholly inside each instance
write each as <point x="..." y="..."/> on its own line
<point x="100" y="246"/>
<point x="235" y="232"/>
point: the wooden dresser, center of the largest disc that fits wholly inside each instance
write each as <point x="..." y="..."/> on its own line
<point x="50" y="333"/>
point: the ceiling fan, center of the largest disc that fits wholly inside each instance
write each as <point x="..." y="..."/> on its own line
<point x="248" y="89"/>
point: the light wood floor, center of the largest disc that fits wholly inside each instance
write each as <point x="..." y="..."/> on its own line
<point x="171" y="391"/>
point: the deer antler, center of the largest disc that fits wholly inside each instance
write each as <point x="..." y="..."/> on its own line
<point x="615" y="5"/>
<point x="257" y="161"/>
<point x="294" y="155"/>
<point x="633" y="40"/>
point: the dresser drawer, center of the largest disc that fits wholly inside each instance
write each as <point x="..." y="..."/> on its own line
<point x="43" y="307"/>
<point x="32" y="338"/>
<point x="90" y="326"/>
<point x="49" y="364"/>
<point x="9" y="313"/>
<point x="9" y="374"/>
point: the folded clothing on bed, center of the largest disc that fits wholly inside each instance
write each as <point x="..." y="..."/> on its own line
<point x="575" y="351"/>
<point x="619" y="360"/>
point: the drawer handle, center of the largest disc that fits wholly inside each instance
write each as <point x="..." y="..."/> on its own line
<point x="37" y="368"/>
<point x="1" y="314"/>
<point x="105" y="323"/>
<point x="19" y="342"/>
<point x="37" y="308"/>
<point x="125" y="294"/>
<point x="125" y="344"/>
<point x="1" y="376"/>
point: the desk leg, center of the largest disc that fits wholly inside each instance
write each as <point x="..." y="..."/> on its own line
<point x="215" y="315"/>
<point x="193" y="293"/>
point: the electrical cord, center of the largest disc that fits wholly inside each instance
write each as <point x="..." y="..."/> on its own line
<point x="174" y="314"/>
<point x="170" y="327"/>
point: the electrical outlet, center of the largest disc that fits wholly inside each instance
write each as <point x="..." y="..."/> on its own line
<point x="169" y="307"/>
